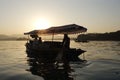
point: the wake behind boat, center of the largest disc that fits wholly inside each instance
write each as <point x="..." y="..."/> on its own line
<point x="52" y="51"/>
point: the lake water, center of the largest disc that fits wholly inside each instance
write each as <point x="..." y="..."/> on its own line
<point x="103" y="62"/>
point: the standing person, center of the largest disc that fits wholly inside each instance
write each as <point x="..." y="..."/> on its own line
<point x="62" y="55"/>
<point x="40" y="40"/>
<point x="66" y="41"/>
<point x="66" y="46"/>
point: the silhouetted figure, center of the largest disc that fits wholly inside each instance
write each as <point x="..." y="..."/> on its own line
<point x="40" y="40"/>
<point x="66" y="47"/>
<point x="35" y="42"/>
<point x="66" y="41"/>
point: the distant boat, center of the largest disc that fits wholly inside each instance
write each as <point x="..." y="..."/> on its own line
<point x="78" y="40"/>
<point x="50" y="51"/>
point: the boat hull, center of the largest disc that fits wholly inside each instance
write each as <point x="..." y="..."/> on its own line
<point x="50" y="54"/>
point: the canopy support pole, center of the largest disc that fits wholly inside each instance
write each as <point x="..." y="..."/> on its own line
<point x="52" y="36"/>
<point x="28" y="39"/>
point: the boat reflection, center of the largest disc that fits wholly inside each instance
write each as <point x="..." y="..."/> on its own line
<point x="49" y="71"/>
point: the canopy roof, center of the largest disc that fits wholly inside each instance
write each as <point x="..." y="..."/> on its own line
<point x="66" y="29"/>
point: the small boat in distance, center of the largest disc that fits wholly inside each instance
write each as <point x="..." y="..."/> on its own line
<point x="80" y="40"/>
<point x="52" y="51"/>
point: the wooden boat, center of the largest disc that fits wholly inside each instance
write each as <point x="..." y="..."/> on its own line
<point x="50" y="51"/>
<point x="78" y="40"/>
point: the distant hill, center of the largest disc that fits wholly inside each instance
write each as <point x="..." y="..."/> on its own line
<point x="3" y="36"/>
<point x="111" y="36"/>
<point x="6" y="37"/>
<point x="12" y="37"/>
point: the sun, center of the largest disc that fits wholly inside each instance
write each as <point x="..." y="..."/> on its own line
<point x="42" y="24"/>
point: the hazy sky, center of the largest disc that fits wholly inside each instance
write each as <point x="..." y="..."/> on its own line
<point x="19" y="16"/>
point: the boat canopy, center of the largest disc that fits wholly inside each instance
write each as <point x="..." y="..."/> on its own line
<point x="65" y="29"/>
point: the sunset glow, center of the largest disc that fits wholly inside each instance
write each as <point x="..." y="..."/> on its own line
<point x="42" y="24"/>
<point x="98" y="16"/>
